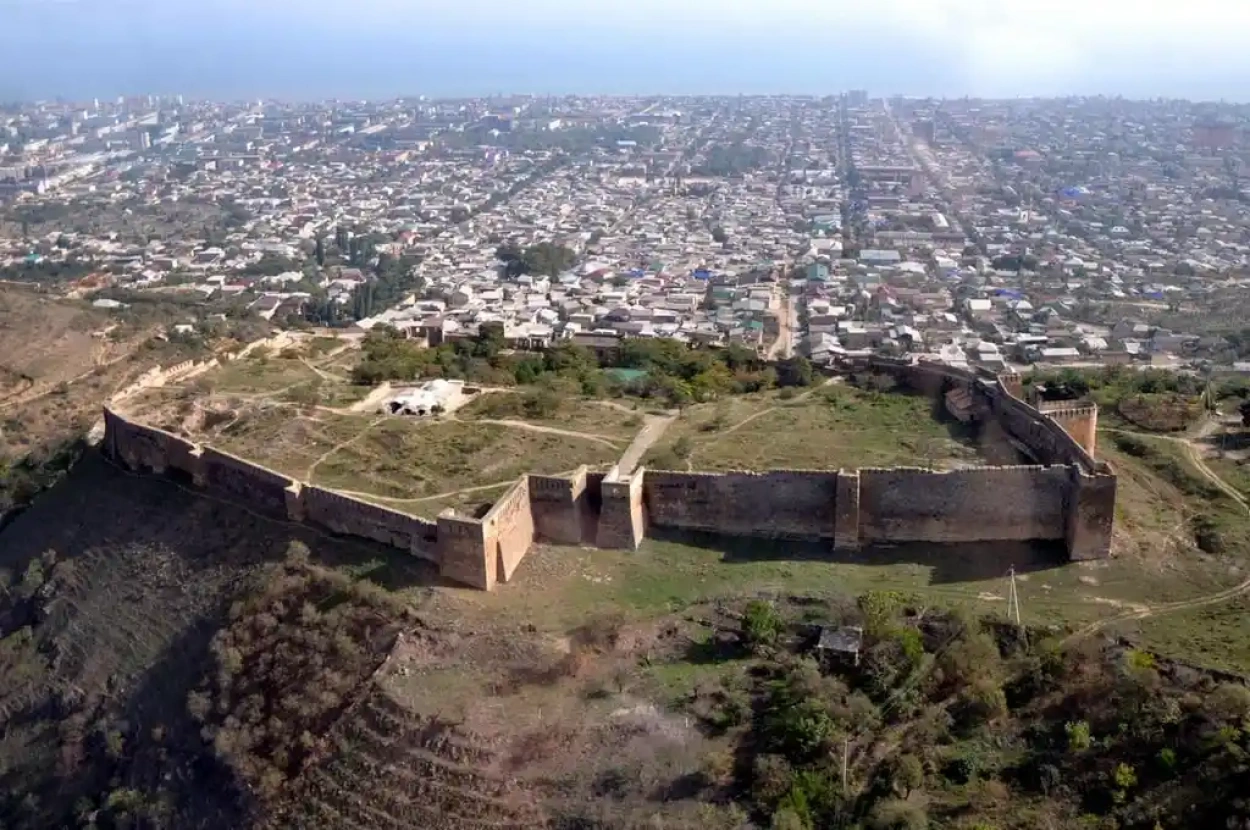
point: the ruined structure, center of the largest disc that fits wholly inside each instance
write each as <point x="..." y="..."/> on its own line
<point x="1067" y="495"/>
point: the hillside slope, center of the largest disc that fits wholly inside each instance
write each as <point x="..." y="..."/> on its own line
<point x="114" y="586"/>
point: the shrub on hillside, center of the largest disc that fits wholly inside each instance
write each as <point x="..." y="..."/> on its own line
<point x="1166" y="412"/>
<point x="286" y="666"/>
<point x="898" y="814"/>
<point x="761" y="624"/>
<point x="1131" y="445"/>
<point x="1207" y="534"/>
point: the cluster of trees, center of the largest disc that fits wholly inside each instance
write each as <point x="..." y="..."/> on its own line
<point x="48" y="270"/>
<point x="1239" y="341"/>
<point x="798" y="719"/>
<point x="984" y="721"/>
<point x="542" y="258"/>
<point x="271" y="265"/>
<point x="1016" y="262"/>
<point x="1109" y="384"/>
<point x="733" y="159"/>
<point x="286" y="666"/>
<point x="350" y="247"/>
<point x="390" y="279"/>
<point x="672" y="371"/>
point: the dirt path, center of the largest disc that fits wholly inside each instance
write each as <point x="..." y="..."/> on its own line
<point x="783" y="346"/>
<point x="312" y="468"/>
<point x="1167" y="608"/>
<point x="1195" y="457"/>
<point x="322" y="373"/>
<point x="374" y="399"/>
<point x="568" y="433"/>
<point x="653" y="429"/>
<point x="754" y="417"/>
<point x="1194" y="454"/>
<point x="35" y="392"/>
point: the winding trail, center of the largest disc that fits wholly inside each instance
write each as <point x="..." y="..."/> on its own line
<point x="312" y="468"/>
<point x="37" y="392"/>
<point x="1194" y="455"/>
<point x="755" y="416"/>
<point x="567" y="433"/>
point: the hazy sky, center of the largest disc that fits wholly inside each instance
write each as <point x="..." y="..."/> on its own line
<point x="310" y="48"/>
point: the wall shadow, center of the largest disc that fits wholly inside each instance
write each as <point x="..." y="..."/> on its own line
<point x="947" y="562"/>
<point x="99" y="507"/>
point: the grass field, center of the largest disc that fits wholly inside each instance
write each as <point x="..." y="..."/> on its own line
<point x="404" y="458"/>
<point x="555" y="587"/>
<point x="836" y="426"/>
<point x="617" y="422"/>
<point x="255" y="375"/>
<point x="281" y="438"/>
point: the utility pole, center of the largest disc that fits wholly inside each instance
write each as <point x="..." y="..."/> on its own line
<point x="1013" y="598"/>
<point x="846" y="756"/>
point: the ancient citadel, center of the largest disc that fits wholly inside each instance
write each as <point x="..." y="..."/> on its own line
<point x="1066" y="496"/>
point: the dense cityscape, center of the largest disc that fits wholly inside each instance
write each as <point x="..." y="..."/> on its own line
<point x="988" y="232"/>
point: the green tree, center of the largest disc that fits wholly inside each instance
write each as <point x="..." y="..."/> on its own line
<point x="719" y="235"/>
<point x="879" y="609"/>
<point x="787" y="819"/>
<point x="1124" y="777"/>
<point x="547" y="258"/>
<point x="908" y="774"/>
<point x="794" y="371"/>
<point x="897" y="814"/>
<point x="1079" y="738"/>
<point x="320" y="254"/>
<point x="761" y="624"/>
<point x="512" y="257"/>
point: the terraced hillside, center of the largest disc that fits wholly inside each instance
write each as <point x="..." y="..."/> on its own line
<point x="437" y="776"/>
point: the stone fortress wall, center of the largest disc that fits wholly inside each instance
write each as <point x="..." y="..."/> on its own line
<point x="1067" y="496"/>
